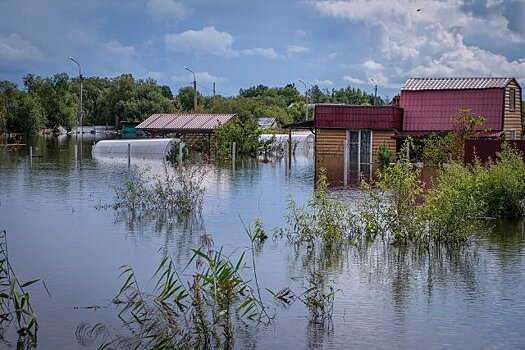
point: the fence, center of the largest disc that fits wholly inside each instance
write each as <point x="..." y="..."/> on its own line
<point x="487" y="149"/>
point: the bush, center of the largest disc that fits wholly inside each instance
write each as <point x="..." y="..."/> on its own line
<point x="503" y="184"/>
<point x="245" y="135"/>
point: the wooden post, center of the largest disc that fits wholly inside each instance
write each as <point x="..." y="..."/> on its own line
<point x="289" y="148"/>
<point x="180" y="151"/>
<point x="234" y="151"/>
<point x="345" y="162"/>
<point x="31" y="156"/>
<point x="76" y="155"/>
<point x="129" y="155"/>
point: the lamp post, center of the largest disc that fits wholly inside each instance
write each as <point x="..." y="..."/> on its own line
<point x="81" y="112"/>
<point x="194" y="90"/>
<point x="375" y="90"/>
<point x="305" y="97"/>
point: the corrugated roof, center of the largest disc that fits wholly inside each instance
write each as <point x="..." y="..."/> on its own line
<point x="416" y="84"/>
<point x="184" y="122"/>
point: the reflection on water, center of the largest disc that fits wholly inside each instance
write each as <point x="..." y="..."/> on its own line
<point x="392" y="297"/>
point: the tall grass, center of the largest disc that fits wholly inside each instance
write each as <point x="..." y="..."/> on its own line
<point x="199" y="312"/>
<point x="15" y="301"/>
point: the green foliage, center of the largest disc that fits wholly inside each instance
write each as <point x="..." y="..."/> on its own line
<point x="385" y="156"/>
<point x="449" y="147"/>
<point x="15" y="301"/>
<point x="130" y="99"/>
<point x="398" y="215"/>
<point x="503" y="184"/>
<point x="323" y="217"/>
<point x="245" y="135"/>
<point x="180" y="193"/>
<point x="201" y="314"/>
<point x="174" y="154"/>
<point x="453" y="205"/>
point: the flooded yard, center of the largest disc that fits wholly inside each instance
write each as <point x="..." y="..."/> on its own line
<point x="389" y="297"/>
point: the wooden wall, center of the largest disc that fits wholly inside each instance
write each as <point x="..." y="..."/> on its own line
<point x="330" y="141"/>
<point x="512" y="119"/>
<point x="378" y="137"/>
<point x="330" y="148"/>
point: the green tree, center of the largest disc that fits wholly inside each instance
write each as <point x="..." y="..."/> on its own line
<point x="56" y="97"/>
<point x="244" y="134"/>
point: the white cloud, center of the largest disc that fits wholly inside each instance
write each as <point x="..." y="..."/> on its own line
<point x="167" y="9"/>
<point x="213" y="42"/>
<point x="263" y="52"/>
<point x="353" y="80"/>
<point x="432" y="41"/>
<point x="207" y="78"/>
<point x="208" y="40"/>
<point x="14" y="49"/>
<point x="200" y="77"/>
<point x="322" y="83"/>
<point x="297" y="49"/>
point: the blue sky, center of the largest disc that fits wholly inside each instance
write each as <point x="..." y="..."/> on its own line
<point x="241" y="43"/>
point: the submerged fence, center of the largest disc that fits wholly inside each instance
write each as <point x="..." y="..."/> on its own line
<point x="487" y="149"/>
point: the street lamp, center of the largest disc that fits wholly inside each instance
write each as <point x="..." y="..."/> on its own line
<point x="375" y="90"/>
<point x="194" y="89"/>
<point x="305" y="97"/>
<point x="81" y="112"/>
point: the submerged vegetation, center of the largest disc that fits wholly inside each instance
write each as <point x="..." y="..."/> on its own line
<point x="179" y="193"/>
<point x="400" y="209"/>
<point x="15" y="302"/>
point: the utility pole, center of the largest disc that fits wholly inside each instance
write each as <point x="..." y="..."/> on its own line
<point x="214" y="90"/>
<point x="194" y="90"/>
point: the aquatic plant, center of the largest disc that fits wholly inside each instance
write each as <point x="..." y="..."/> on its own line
<point x="197" y="313"/>
<point x="180" y="193"/>
<point x="502" y="184"/>
<point x="323" y="217"/>
<point x="175" y="152"/>
<point x="15" y="301"/>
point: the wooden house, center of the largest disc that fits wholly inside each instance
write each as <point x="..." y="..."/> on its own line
<point x="348" y="137"/>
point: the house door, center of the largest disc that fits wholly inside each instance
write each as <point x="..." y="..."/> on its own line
<point x="359" y="153"/>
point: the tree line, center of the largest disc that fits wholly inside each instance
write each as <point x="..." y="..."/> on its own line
<point x="48" y="102"/>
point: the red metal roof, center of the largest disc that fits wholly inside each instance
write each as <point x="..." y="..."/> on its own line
<point x="358" y="117"/>
<point x="432" y="110"/>
<point x="204" y="123"/>
<point x="418" y="84"/>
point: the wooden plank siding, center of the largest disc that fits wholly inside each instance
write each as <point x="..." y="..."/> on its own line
<point x="512" y="119"/>
<point x="380" y="136"/>
<point x="330" y="141"/>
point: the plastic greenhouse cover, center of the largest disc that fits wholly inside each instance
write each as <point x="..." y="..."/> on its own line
<point x="143" y="149"/>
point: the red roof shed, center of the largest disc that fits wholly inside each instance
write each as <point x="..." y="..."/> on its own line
<point x="429" y="103"/>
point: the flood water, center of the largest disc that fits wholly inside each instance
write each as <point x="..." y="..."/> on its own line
<point x="390" y="298"/>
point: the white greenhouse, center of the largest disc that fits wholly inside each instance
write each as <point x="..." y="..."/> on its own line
<point x="145" y="149"/>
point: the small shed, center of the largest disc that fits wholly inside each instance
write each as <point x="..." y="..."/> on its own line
<point x="266" y="123"/>
<point x="194" y="129"/>
<point x="348" y="138"/>
<point x="128" y="130"/>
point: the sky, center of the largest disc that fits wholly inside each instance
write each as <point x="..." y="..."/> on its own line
<point x="241" y="43"/>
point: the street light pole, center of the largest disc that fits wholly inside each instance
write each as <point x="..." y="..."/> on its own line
<point x="194" y="90"/>
<point x="81" y="112"/>
<point x="305" y="97"/>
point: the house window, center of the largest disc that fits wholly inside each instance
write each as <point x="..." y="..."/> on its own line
<point x="512" y="100"/>
<point x="513" y="134"/>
